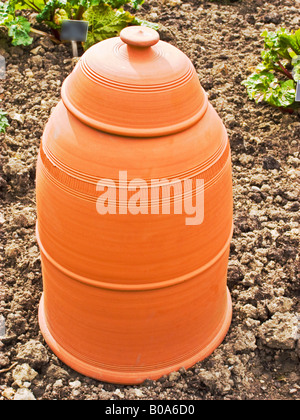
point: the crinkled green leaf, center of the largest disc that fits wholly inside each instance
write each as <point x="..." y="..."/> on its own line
<point x="297" y="37"/>
<point x="105" y="22"/>
<point x="296" y="67"/>
<point x="54" y="12"/>
<point x="59" y="17"/>
<point x="137" y="3"/>
<point x="265" y="87"/>
<point x="269" y="58"/>
<point x="294" y="41"/>
<point x="36" y="5"/>
<point x="85" y="3"/>
<point x="281" y="94"/>
<point x="3" y="121"/>
<point x="257" y="84"/>
<point x="90" y="3"/>
<point x="116" y="4"/>
<point x="281" y="44"/>
<point x="18" y="30"/>
<point x="142" y="22"/>
<point x="277" y="45"/>
<point x="287" y="92"/>
<point x="5" y="13"/>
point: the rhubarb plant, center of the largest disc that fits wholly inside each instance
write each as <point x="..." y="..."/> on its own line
<point x="274" y="80"/>
<point x="106" y="17"/>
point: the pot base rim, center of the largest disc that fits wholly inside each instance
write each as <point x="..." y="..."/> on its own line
<point x="131" y="378"/>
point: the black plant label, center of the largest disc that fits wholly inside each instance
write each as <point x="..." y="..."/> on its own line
<point x="74" y="30"/>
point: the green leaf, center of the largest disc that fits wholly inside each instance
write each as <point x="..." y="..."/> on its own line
<point x="265" y="87"/>
<point x="85" y="3"/>
<point x="116" y="4"/>
<point x="137" y="3"/>
<point x="105" y="22"/>
<point x="293" y="44"/>
<point x="53" y="15"/>
<point x="142" y="22"/>
<point x="287" y="93"/>
<point x="257" y="84"/>
<point x="19" y="30"/>
<point x="90" y="3"/>
<point x="297" y="37"/>
<point x="36" y="5"/>
<point x="5" y="14"/>
<point x="296" y="67"/>
<point x="292" y="54"/>
<point x="59" y="17"/>
<point x="277" y="45"/>
<point x="3" y="121"/>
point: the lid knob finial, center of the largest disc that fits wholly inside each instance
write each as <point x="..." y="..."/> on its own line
<point x="139" y="36"/>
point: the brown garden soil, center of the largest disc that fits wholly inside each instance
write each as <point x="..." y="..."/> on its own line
<point x="259" y="358"/>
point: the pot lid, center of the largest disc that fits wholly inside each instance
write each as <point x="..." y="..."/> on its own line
<point x="135" y="85"/>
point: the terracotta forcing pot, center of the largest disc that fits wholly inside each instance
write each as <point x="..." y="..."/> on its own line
<point x="134" y="205"/>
